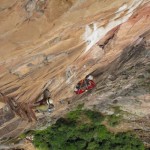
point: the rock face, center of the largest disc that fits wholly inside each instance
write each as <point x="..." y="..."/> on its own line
<point x="54" y="44"/>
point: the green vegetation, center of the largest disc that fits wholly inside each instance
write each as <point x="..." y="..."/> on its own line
<point x="82" y="130"/>
<point x="27" y="133"/>
<point x="115" y="118"/>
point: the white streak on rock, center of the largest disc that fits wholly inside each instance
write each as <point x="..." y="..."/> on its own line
<point x="122" y="8"/>
<point x="93" y="35"/>
<point x="134" y="5"/>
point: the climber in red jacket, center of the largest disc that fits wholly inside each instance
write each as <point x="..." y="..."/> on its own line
<point x="85" y="85"/>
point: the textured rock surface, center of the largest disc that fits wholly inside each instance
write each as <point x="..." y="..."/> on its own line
<point x="54" y="44"/>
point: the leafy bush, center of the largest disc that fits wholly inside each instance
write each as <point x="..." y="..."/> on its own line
<point x="115" y="118"/>
<point x="82" y="130"/>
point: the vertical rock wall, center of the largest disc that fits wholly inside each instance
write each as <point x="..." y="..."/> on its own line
<point x="54" y="44"/>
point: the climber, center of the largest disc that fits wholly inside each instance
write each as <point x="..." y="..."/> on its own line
<point x="46" y="104"/>
<point x="85" y="85"/>
<point x="90" y="84"/>
<point x="79" y="89"/>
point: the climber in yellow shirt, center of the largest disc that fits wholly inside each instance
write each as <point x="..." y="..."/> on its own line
<point x="46" y="104"/>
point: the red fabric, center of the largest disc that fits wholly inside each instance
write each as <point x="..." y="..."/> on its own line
<point x="80" y="91"/>
<point x="90" y="86"/>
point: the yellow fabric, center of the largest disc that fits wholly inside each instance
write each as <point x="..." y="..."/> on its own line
<point x="42" y="107"/>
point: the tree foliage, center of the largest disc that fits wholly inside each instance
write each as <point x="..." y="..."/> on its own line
<point x="82" y="130"/>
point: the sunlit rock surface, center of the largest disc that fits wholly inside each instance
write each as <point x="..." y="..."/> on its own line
<point x="54" y="44"/>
